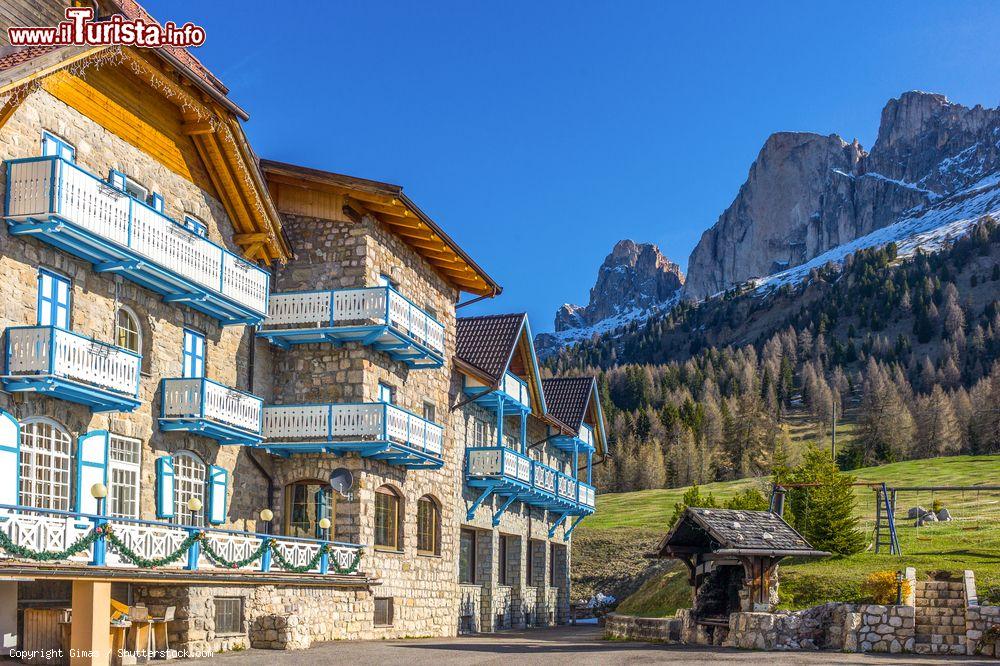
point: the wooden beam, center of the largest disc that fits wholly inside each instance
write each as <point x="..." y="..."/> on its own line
<point x="8" y="109"/>
<point x="395" y="211"/>
<point x="251" y="238"/>
<point x="198" y="127"/>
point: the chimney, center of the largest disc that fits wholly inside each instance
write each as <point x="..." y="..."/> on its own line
<point x="778" y="500"/>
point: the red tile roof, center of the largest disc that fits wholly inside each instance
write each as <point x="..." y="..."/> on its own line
<point x="11" y="56"/>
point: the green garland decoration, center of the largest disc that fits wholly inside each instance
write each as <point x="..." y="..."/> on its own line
<point x="288" y="566"/>
<point x="219" y="560"/>
<point x="122" y="549"/>
<point x="77" y="547"/>
<point x="350" y="568"/>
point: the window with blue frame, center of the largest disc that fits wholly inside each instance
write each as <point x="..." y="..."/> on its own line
<point x="122" y="182"/>
<point x="386" y="281"/>
<point x="194" y="354"/>
<point x="54" y="295"/>
<point x="53" y="145"/>
<point x="386" y="393"/>
<point x="194" y="224"/>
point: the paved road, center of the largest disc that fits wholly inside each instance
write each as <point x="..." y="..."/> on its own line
<point x="551" y="647"/>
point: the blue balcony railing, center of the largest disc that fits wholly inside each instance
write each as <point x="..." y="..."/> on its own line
<point x="65" y="365"/>
<point x="61" y="204"/>
<point x="582" y="442"/>
<point x="512" y="396"/>
<point x="505" y="472"/>
<point x="45" y="531"/>
<point x="376" y="316"/>
<point x="373" y="430"/>
<point x="208" y="408"/>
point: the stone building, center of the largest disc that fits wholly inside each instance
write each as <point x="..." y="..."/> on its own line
<point x="237" y="390"/>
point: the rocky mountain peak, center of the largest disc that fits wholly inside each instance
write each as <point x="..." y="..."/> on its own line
<point x="807" y="193"/>
<point x="634" y="276"/>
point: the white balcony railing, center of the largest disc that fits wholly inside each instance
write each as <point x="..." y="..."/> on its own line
<point x="502" y="463"/>
<point x="516" y="388"/>
<point x="355" y="422"/>
<point x="47" y="350"/>
<point x="54" y="531"/>
<point x="382" y="306"/>
<point x="586" y="435"/>
<point x="202" y="398"/>
<point x="44" y="187"/>
<point x="586" y="494"/>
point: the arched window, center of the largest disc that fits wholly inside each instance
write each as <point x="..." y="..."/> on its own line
<point x="46" y="451"/>
<point x="189" y="481"/>
<point x="388" y="519"/>
<point x="306" y="503"/>
<point x="127" y="332"/>
<point x="428" y="526"/>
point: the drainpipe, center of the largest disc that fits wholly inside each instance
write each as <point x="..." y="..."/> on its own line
<point x="252" y="366"/>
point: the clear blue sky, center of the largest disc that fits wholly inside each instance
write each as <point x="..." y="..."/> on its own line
<point x="539" y="133"/>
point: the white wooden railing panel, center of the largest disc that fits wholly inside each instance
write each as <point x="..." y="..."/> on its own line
<point x="296" y="422"/>
<point x="182" y="398"/>
<point x="147" y="541"/>
<point x="94" y="205"/>
<point x="298" y="553"/>
<point x="350" y="306"/>
<point x="76" y="357"/>
<point x="545" y="478"/>
<point x="484" y="462"/>
<point x="45" y="533"/>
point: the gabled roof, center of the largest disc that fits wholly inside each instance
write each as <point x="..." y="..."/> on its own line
<point x="573" y="401"/>
<point x="568" y="398"/>
<point x="386" y="203"/>
<point x="734" y="532"/>
<point x="490" y="345"/>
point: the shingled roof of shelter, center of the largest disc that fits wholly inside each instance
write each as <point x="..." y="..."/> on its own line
<point x="567" y="398"/>
<point x="736" y="532"/>
<point x="487" y="343"/>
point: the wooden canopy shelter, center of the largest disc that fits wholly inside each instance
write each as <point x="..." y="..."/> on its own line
<point x="731" y="556"/>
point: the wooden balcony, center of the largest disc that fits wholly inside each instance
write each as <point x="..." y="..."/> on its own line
<point x="377" y="316"/>
<point x="61" y="204"/>
<point x="62" y="364"/>
<point x="512" y="397"/>
<point x="207" y="408"/>
<point x="372" y="430"/>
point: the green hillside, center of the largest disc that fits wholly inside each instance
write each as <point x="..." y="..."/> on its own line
<point x="609" y="545"/>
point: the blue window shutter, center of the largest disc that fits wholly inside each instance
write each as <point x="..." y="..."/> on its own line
<point x="165" y="487"/>
<point x="157" y="202"/>
<point x="218" y="480"/>
<point x="91" y="468"/>
<point x="10" y="453"/>
<point x="117" y="180"/>
<point x="322" y="510"/>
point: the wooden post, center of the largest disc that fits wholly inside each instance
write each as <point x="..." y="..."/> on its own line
<point x="8" y="617"/>
<point x="90" y="632"/>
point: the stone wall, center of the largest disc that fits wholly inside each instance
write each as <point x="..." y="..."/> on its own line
<point x="274" y="617"/>
<point x="982" y="630"/>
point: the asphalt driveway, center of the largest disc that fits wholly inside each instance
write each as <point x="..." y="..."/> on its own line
<point x="571" y="646"/>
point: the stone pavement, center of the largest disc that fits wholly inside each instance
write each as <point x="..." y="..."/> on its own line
<point x="552" y="647"/>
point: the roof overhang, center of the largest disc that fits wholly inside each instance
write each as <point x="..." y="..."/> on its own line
<point x="386" y="203"/>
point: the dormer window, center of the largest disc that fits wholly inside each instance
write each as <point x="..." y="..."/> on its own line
<point x="53" y="145"/>
<point x="195" y="225"/>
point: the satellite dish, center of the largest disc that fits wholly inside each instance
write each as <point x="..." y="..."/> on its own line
<point x="342" y="480"/>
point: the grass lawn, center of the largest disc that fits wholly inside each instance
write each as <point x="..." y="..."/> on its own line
<point x="628" y="524"/>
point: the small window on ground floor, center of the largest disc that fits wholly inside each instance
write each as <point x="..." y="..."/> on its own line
<point x="383" y="611"/>
<point x="228" y="615"/>
<point x="467" y="557"/>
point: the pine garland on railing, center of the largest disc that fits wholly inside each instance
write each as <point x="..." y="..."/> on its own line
<point x="85" y="541"/>
<point x="77" y="547"/>
<point x="219" y="560"/>
<point x="135" y="558"/>
<point x="350" y="568"/>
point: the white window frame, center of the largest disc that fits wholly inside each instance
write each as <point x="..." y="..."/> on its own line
<point x="46" y="462"/>
<point x="190" y="480"/>
<point x="480" y="432"/>
<point x="119" y="329"/>
<point x="124" y="472"/>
